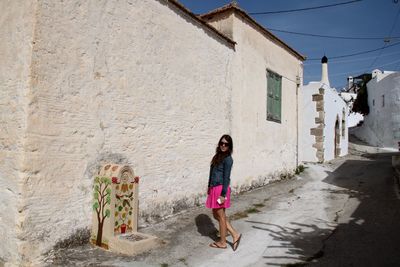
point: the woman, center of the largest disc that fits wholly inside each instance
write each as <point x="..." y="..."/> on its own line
<point x="218" y="198"/>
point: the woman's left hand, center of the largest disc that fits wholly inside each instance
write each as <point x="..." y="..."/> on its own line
<point x="221" y="199"/>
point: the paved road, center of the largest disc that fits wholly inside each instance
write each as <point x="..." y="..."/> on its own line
<point x="343" y="213"/>
<point x="368" y="233"/>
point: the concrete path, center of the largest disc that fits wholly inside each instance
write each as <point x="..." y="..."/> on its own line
<point x="343" y="213"/>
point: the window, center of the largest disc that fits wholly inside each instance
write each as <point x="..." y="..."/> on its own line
<point x="274" y="94"/>
<point x="383" y="100"/>
<point x="373" y="102"/>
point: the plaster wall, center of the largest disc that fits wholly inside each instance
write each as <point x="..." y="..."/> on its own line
<point x="136" y="82"/>
<point x="333" y="107"/>
<point x="381" y="126"/>
<point x="353" y="118"/>
<point x="308" y="122"/>
<point x="264" y="150"/>
<point x="16" y="34"/>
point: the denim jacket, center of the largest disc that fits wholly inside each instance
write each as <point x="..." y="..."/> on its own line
<point x="221" y="175"/>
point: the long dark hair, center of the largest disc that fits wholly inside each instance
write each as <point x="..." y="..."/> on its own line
<point x="219" y="155"/>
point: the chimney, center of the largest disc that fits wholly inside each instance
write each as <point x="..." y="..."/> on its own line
<point x="349" y="82"/>
<point x="324" y="77"/>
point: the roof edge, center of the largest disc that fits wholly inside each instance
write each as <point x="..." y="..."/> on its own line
<point x="235" y="8"/>
<point x="200" y="20"/>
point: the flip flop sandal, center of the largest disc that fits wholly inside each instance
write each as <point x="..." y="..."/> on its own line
<point x="236" y="243"/>
<point x="215" y="245"/>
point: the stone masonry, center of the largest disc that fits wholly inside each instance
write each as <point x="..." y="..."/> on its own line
<point x="318" y="132"/>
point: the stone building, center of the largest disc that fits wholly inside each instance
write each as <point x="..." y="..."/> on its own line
<point x="381" y="127"/>
<point x="325" y="125"/>
<point x="140" y="82"/>
<point x="265" y="98"/>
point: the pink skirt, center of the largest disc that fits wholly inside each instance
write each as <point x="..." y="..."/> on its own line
<point x="214" y="194"/>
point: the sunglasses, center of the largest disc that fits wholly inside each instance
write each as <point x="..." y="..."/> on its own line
<point x="224" y="144"/>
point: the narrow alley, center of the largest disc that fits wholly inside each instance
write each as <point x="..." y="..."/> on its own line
<point x="341" y="213"/>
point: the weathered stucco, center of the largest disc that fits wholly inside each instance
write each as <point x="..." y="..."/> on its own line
<point x="135" y="82"/>
<point x="264" y="150"/>
<point x="142" y="83"/>
<point x="16" y="30"/>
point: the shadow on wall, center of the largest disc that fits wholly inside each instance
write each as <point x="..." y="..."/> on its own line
<point x="370" y="238"/>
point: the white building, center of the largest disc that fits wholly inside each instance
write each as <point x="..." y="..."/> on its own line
<point x="145" y="83"/>
<point x="265" y="98"/>
<point x="353" y="118"/>
<point x="325" y="127"/>
<point x="381" y="126"/>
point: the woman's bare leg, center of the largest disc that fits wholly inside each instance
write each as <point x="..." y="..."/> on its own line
<point x="219" y="215"/>
<point x="229" y="227"/>
<point x="235" y="234"/>
<point x="215" y="214"/>
<point x="222" y="226"/>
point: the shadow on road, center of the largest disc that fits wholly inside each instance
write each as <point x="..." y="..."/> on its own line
<point x="205" y="226"/>
<point x="371" y="236"/>
<point x="302" y="241"/>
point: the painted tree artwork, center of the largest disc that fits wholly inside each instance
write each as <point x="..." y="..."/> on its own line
<point x="101" y="204"/>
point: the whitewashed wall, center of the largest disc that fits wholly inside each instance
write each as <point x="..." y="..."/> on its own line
<point x="381" y="126"/>
<point x="333" y="107"/>
<point x="353" y="118"/>
<point x="16" y="30"/>
<point x="264" y="150"/>
<point x="135" y="82"/>
<point x="308" y="122"/>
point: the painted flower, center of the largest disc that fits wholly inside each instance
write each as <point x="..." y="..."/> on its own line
<point x="107" y="167"/>
<point x="124" y="188"/>
<point x="114" y="180"/>
<point x="137" y="178"/>
<point x="114" y="168"/>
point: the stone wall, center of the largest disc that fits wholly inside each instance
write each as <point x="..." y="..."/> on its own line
<point x="134" y="82"/>
<point x="16" y="33"/>
<point x="264" y="150"/>
<point x="138" y="82"/>
<point x="318" y="132"/>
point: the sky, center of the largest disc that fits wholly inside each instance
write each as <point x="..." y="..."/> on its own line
<point x="365" y="19"/>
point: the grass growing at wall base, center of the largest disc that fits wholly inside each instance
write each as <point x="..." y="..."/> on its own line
<point x="299" y="169"/>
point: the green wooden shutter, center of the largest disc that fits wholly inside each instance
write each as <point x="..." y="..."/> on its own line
<point x="274" y="96"/>
<point x="278" y="97"/>
<point x="270" y="95"/>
